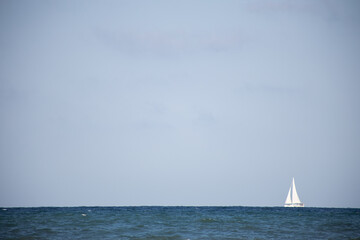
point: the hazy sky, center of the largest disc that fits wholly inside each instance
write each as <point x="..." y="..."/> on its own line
<point x="179" y="102"/>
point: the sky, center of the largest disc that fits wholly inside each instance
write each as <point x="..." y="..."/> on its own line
<point x="118" y="103"/>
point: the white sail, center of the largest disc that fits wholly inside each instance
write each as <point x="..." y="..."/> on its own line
<point x="295" y="197"/>
<point x="288" y="198"/>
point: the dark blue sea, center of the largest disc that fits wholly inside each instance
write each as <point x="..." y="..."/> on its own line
<point x="179" y="223"/>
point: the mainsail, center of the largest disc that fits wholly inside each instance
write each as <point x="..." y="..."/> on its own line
<point x="292" y="199"/>
<point x="295" y="197"/>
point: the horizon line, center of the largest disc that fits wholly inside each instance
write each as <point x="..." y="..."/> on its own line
<point x="124" y="206"/>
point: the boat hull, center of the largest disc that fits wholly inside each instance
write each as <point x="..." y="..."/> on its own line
<point x="294" y="205"/>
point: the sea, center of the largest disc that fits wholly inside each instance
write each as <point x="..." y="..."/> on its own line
<point x="179" y="223"/>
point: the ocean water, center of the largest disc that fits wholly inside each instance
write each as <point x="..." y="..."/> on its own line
<point x="179" y="223"/>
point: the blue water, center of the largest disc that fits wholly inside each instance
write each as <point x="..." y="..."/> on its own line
<point x="179" y="223"/>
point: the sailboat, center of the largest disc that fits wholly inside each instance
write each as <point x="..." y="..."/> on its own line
<point x="292" y="199"/>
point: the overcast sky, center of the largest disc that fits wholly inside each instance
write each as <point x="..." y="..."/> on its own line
<point x="179" y="102"/>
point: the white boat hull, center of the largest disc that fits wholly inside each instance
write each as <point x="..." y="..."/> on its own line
<point x="294" y="205"/>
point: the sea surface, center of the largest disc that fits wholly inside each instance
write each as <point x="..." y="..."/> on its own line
<point x="179" y="223"/>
